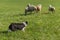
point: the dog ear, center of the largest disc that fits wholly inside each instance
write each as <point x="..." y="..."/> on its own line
<point x="26" y="22"/>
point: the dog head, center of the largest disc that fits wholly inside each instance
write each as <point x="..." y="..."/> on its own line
<point x="25" y="23"/>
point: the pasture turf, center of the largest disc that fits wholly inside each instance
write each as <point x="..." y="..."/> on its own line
<point x="42" y="26"/>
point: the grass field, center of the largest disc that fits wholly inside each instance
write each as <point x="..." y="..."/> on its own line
<point x="41" y="26"/>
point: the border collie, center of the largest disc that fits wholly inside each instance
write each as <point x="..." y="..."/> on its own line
<point x="17" y="26"/>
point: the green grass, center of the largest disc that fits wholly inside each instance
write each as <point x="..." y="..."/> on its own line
<point x="41" y="26"/>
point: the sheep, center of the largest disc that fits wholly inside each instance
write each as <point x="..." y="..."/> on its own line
<point x="39" y="7"/>
<point x="51" y="8"/>
<point x="17" y="26"/>
<point x="30" y="8"/>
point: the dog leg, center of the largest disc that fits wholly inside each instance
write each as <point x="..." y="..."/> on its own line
<point x="23" y="29"/>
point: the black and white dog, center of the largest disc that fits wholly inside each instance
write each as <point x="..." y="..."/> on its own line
<point x="17" y="26"/>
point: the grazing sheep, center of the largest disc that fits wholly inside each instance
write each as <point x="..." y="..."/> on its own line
<point x="17" y="26"/>
<point x="51" y="8"/>
<point x="30" y="8"/>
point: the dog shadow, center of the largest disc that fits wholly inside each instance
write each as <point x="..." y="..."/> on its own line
<point x="23" y="14"/>
<point x="3" y="32"/>
<point x="20" y="14"/>
<point x="30" y="14"/>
